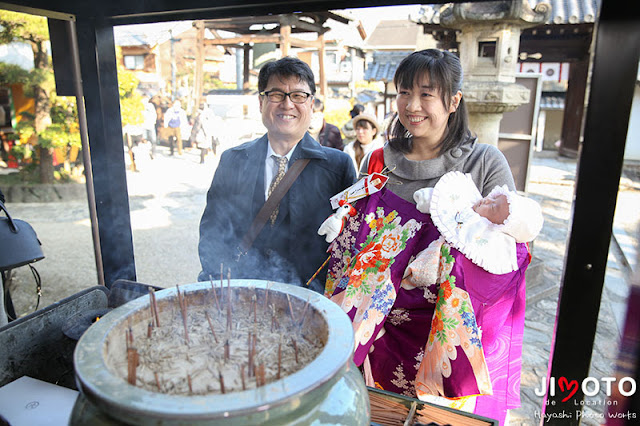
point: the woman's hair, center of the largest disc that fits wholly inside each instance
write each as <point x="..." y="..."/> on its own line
<point x="445" y="73"/>
<point x="356" y="110"/>
<point x="284" y="68"/>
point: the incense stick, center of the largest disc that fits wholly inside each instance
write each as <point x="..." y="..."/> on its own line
<point x="295" y="349"/>
<point x="132" y="364"/>
<point x="155" y="375"/>
<point x="206" y="314"/>
<point x="304" y="312"/>
<point x="183" y="310"/>
<point x="213" y="290"/>
<point x="154" y="304"/>
<point x="249" y="355"/>
<point x="293" y="318"/>
<point x="221" y="381"/>
<point x="254" y="306"/>
<point x="313" y="277"/>
<point x="129" y="334"/>
<point x="261" y="374"/>
<point x="244" y="386"/>
<point x="279" y="360"/>
<point x="229" y="299"/>
<point x="254" y="341"/>
<point x="221" y="286"/>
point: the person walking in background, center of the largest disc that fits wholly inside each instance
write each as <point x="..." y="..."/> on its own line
<point x="287" y="248"/>
<point x="174" y="118"/>
<point x="325" y="133"/>
<point x="389" y="120"/>
<point x="367" y="138"/>
<point x="142" y="153"/>
<point x="202" y="132"/>
<point x="348" y="130"/>
<point x="149" y="124"/>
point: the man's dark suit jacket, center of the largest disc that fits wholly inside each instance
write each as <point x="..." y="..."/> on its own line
<point x="289" y="251"/>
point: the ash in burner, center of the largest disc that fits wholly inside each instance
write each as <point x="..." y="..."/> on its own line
<point x="217" y="341"/>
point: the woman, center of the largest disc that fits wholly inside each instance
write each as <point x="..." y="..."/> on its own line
<point x="396" y="323"/>
<point x="367" y="138"/>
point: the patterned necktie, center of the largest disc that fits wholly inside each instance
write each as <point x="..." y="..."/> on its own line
<point x="282" y="165"/>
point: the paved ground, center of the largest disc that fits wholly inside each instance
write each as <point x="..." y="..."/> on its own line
<point x="167" y="198"/>
<point x="552" y="184"/>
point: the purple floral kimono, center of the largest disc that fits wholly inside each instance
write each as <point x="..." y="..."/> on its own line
<point x="430" y="321"/>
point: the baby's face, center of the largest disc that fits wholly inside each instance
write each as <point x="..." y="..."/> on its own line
<point x="496" y="210"/>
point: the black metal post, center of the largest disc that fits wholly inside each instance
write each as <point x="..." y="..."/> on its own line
<point x="614" y="75"/>
<point x="100" y="86"/>
<point x="86" y="153"/>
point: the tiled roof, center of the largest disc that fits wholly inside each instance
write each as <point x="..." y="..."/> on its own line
<point x="562" y="11"/>
<point x="399" y="34"/>
<point x="384" y="65"/>
<point x="550" y="102"/>
<point x="571" y="11"/>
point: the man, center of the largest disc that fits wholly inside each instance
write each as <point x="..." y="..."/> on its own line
<point x="325" y="133"/>
<point x="348" y="130"/>
<point x="288" y="249"/>
<point x="174" y="118"/>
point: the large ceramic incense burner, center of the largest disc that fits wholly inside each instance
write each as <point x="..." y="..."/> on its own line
<point x="235" y="352"/>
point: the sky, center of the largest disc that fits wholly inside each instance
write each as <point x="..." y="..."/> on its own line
<point x="370" y="16"/>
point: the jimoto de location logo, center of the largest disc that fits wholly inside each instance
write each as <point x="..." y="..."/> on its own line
<point x="590" y="386"/>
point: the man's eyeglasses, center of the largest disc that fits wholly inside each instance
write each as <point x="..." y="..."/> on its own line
<point x="277" y="96"/>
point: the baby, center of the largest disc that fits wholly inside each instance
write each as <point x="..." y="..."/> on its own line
<point x="485" y="230"/>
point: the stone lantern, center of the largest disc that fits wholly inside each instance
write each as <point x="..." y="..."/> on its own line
<point x="489" y="37"/>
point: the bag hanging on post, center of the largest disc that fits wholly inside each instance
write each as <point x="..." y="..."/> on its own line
<point x="19" y="244"/>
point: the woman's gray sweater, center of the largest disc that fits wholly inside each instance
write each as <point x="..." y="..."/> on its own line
<point x="485" y="163"/>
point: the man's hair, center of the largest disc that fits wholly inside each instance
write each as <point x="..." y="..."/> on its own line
<point x="285" y="68"/>
<point x="318" y="105"/>
<point x="445" y="73"/>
